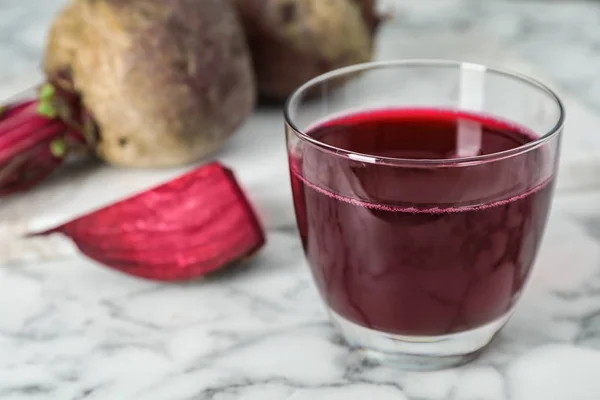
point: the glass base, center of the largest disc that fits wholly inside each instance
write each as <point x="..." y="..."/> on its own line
<point x="418" y="352"/>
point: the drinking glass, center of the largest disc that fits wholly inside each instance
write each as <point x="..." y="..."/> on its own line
<point x="420" y="261"/>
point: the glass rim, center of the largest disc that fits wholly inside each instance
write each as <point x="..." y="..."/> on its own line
<point x="438" y="63"/>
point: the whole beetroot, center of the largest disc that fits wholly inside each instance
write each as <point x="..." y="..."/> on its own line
<point x="293" y="41"/>
<point x="165" y="82"/>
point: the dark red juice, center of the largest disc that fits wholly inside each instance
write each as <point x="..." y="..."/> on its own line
<point x="427" y="249"/>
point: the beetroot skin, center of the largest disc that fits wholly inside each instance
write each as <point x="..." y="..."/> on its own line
<point x="293" y="41"/>
<point x="167" y="82"/>
<point x="183" y="229"/>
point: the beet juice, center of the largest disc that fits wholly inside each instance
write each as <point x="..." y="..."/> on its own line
<point x="421" y="249"/>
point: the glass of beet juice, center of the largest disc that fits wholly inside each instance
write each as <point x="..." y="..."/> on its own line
<point x="422" y="190"/>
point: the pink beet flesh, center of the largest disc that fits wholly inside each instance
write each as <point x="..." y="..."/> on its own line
<point x="25" y="146"/>
<point x="184" y="229"/>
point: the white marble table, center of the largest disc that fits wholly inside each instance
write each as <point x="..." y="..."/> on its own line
<point x="70" y="329"/>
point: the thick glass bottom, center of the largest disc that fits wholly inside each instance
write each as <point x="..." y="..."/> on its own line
<point x="418" y="352"/>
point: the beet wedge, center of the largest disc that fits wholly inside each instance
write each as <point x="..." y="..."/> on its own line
<point x="181" y="230"/>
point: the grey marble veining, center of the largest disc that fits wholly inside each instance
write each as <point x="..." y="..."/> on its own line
<point x="70" y="329"/>
<point x="260" y="332"/>
<point x="561" y="37"/>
